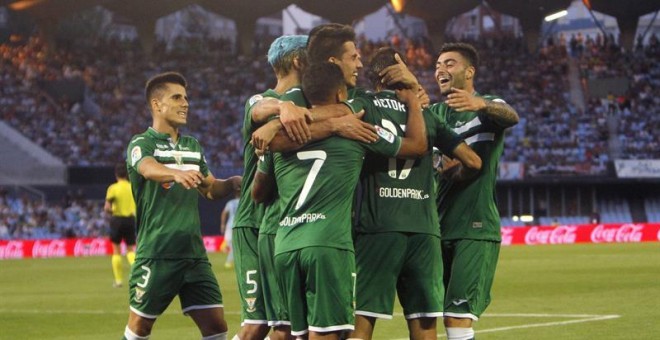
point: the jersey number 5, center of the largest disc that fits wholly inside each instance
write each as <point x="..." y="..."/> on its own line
<point x="407" y="166"/>
<point x="319" y="157"/>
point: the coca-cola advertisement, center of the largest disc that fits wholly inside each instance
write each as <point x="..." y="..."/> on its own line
<point x="537" y="235"/>
<point x="589" y="233"/>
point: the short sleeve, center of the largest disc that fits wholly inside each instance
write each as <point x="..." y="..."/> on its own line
<point x="387" y="144"/>
<point x="138" y="149"/>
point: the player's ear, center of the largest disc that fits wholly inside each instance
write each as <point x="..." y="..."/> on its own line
<point x="469" y="72"/>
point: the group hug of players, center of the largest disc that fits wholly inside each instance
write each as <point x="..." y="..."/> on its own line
<point x="342" y="207"/>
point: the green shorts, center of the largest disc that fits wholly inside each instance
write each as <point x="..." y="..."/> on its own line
<point x="318" y="285"/>
<point x="468" y="276"/>
<point x="407" y="264"/>
<point x="154" y="283"/>
<point x="248" y="276"/>
<point x="276" y="311"/>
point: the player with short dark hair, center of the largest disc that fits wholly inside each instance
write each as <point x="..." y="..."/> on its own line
<point x="397" y="239"/>
<point x="469" y="219"/>
<point x="163" y="165"/>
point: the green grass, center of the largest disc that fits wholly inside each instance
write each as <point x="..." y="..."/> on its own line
<point x="541" y="292"/>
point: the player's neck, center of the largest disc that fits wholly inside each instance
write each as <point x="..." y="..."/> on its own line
<point x="172" y="131"/>
<point x="287" y="82"/>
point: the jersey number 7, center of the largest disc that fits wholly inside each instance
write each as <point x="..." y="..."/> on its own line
<point x="319" y="157"/>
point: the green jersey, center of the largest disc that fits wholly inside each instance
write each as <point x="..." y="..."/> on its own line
<point x="468" y="209"/>
<point x="398" y="195"/>
<point x="316" y="184"/>
<point x="271" y="217"/>
<point x="167" y="213"/>
<point x="249" y="213"/>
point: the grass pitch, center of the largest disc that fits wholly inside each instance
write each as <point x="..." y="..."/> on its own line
<point x="609" y="291"/>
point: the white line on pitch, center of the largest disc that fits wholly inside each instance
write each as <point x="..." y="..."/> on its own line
<point x="545" y="324"/>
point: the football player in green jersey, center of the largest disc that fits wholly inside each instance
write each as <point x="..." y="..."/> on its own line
<point x="469" y="219"/>
<point x="285" y="57"/>
<point x="171" y="260"/>
<point x="397" y="239"/>
<point x="314" y="236"/>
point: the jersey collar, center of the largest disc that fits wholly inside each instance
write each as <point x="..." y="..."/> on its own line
<point x="162" y="136"/>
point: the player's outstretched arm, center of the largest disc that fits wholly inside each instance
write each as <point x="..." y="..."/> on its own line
<point x="415" y="143"/>
<point x="150" y="169"/>
<point x="215" y="189"/>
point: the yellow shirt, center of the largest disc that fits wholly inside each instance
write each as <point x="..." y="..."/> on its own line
<point x="121" y="197"/>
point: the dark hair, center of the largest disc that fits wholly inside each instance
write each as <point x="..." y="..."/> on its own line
<point x="327" y="41"/>
<point x="466" y="50"/>
<point x="120" y="170"/>
<point x="383" y="58"/>
<point x="320" y="82"/>
<point x="159" y="82"/>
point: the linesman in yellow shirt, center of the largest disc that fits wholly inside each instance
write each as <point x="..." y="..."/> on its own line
<point x="120" y="203"/>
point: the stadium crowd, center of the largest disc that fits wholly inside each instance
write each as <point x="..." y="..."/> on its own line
<point x="94" y="130"/>
<point x="24" y="217"/>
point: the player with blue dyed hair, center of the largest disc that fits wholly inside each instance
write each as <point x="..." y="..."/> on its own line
<point x="285" y="52"/>
<point x="261" y="302"/>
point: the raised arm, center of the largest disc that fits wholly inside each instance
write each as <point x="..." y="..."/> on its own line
<point x="415" y="142"/>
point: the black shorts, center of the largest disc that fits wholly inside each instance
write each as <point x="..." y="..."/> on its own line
<point x="122" y="228"/>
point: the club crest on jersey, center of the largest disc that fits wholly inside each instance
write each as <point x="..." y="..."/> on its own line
<point x="250" y="304"/>
<point x="136" y="154"/>
<point x="178" y="158"/>
<point x="139" y="293"/>
<point x="384" y="134"/>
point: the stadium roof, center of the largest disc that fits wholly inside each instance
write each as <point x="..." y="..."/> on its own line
<point x="436" y="13"/>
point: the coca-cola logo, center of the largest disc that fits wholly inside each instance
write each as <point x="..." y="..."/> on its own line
<point x="94" y="247"/>
<point x="558" y="235"/>
<point x="11" y="250"/>
<point x="621" y="234"/>
<point x="507" y="236"/>
<point x="210" y="244"/>
<point x="53" y="248"/>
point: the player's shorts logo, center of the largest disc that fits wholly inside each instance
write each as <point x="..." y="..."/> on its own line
<point x="139" y="293"/>
<point x="250" y="302"/>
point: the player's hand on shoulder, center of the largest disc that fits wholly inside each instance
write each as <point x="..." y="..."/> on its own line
<point x="351" y="127"/>
<point x="296" y="121"/>
<point x="461" y="100"/>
